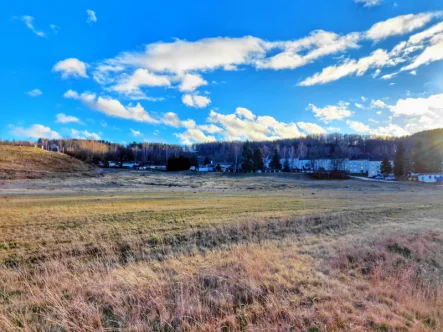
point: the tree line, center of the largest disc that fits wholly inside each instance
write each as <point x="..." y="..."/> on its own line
<point x="421" y="152"/>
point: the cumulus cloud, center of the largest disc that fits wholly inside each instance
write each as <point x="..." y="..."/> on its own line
<point x="171" y="119"/>
<point x="193" y="135"/>
<point x="244" y="125"/>
<point x="35" y="93"/>
<point x="357" y="126"/>
<point x="360" y="106"/>
<point x="130" y="85"/>
<point x="71" y="67"/>
<point x="85" y="135"/>
<point x="418" y="113"/>
<point x="112" y="107"/>
<point x="390" y="130"/>
<point x="331" y="112"/>
<point x="190" y="82"/>
<point x="63" y="118"/>
<point x="29" y="22"/>
<point x="311" y="128"/>
<point x="91" y="16"/>
<point x="378" y="104"/>
<point x="195" y="101"/>
<point x="34" y="131"/>
<point x="369" y="3"/>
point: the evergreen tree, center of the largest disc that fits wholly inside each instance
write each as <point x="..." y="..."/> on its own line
<point x="258" y="160"/>
<point x="386" y="167"/>
<point x="275" y="162"/>
<point x="286" y="166"/>
<point x="207" y="161"/>
<point x="248" y="164"/>
<point x="400" y="161"/>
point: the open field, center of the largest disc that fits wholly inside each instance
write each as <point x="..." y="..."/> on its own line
<point x="142" y="251"/>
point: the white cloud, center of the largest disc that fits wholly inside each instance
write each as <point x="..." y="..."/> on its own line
<point x="376" y="73"/>
<point x="311" y="128"/>
<point x="357" y="126"/>
<point x="182" y="56"/>
<point x="193" y="135"/>
<point x="390" y="130"/>
<point x="373" y="120"/>
<point x="34" y="93"/>
<point x="360" y="106"/>
<point x="242" y="125"/>
<point x="71" y="67"/>
<point x="29" y="22"/>
<point x="388" y="76"/>
<point x="432" y="53"/>
<point x="398" y="25"/>
<point x="364" y="99"/>
<point x="244" y="113"/>
<point x="195" y="100"/>
<point x="85" y="135"/>
<point x="34" y="131"/>
<point x="378" y="58"/>
<point x="378" y="104"/>
<point x="171" y="119"/>
<point x="211" y="129"/>
<point x="318" y="44"/>
<point x="190" y="82"/>
<point x="92" y="17"/>
<point x="130" y="85"/>
<point x="63" y="118"/>
<point x="113" y="107"/>
<point x="369" y="3"/>
<point x="431" y="106"/>
<point x="413" y="73"/>
<point x="135" y="132"/>
<point x="331" y="112"/>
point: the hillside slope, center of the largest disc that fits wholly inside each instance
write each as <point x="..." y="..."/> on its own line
<point x="20" y="162"/>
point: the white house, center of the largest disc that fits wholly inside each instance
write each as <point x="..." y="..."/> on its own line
<point x="358" y="166"/>
<point x="431" y="178"/>
<point x="374" y="167"/>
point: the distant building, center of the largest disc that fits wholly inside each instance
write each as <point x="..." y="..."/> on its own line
<point x="358" y="166"/>
<point x="431" y="178"/>
<point x="374" y="167"/>
<point x="54" y="148"/>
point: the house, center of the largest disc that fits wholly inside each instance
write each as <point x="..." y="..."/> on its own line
<point x="129" y="165"/>
<point x="431" y="178"/>
<point x="54" y="148"/>
<point x="358" y="166"/>
<point x="375" y="165"/>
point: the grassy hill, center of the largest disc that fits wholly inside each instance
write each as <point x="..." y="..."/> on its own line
<point x="20" y="162"/>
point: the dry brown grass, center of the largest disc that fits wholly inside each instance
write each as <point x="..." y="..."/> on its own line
<point x="22" y="162"/>
<point x="227" y="261"/>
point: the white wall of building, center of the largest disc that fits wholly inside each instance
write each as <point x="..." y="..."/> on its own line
<point x="430" y="178"/>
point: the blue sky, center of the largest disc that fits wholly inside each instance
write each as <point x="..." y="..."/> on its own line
<point x="186" y="72"/>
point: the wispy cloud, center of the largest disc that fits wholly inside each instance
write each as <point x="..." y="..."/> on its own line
<point x="29" y="22"/>
<point x="92" y="17"/>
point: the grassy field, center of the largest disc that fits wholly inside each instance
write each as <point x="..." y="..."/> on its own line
<point x="205" y="255"/>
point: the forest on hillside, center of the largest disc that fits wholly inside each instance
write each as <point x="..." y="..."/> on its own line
<point x="422" y="146"/>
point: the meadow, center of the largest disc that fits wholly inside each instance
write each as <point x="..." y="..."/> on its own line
<point x="181" y="252"/>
